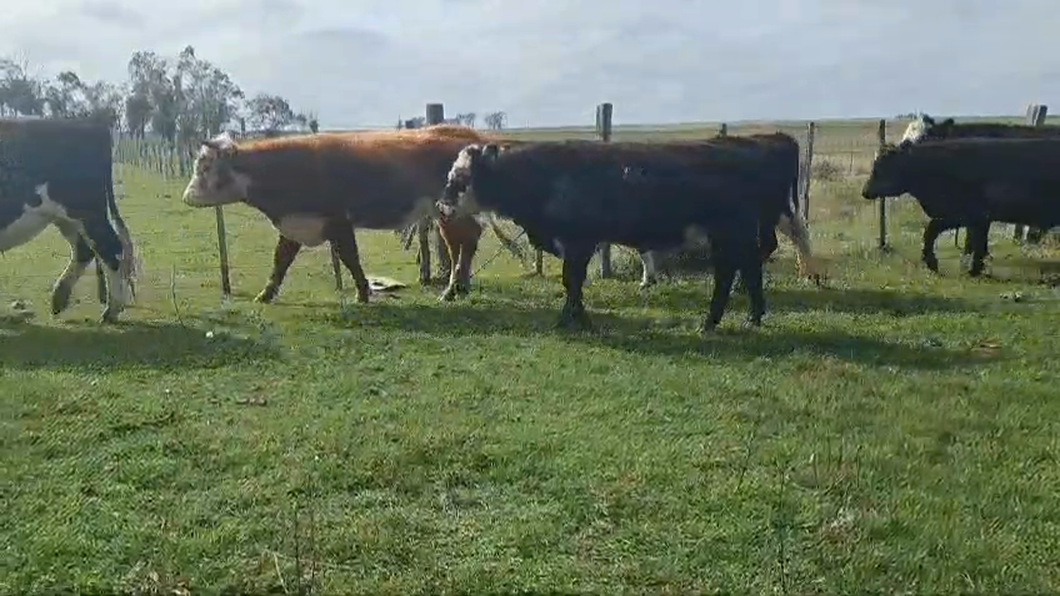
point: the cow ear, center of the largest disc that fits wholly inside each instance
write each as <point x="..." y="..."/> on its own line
<point x="928" y="120"/>
<point x="948" y="122"/>
<point x="491" y="151"/>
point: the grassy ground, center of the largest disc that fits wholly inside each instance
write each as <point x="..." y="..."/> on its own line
<point x="897" y="431"/>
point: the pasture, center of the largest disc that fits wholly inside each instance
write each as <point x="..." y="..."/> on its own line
<point x="896" y="431"/>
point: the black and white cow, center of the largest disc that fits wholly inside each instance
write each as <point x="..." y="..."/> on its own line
<point x="59" y="172"/>
<point x="926" y="128"/>
<point x="971" y="182"/>
<point x="570" y="196"/>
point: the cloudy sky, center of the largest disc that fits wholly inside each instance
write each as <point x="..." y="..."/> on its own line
<point x="548" y="62"/>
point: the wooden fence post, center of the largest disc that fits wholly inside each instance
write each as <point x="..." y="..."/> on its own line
<point x="604" y="112"/>
<point x="222" y="251"/>
<point x="1035" y="117"/>
<point x="882" y="137"/>
<point x="811" y="133"/>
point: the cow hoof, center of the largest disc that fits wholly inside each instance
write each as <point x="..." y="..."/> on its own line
<point x="266" y="296"/>
<point x="932" y="264"/>
<point x="752" y="323"/>
<point x="644" y="285"/>
<point x="708" y="328"/>
<point x="448" y="295"/>
<point x="60" y="298"/>
<point x="575" y="322"/>
<point x="110" y="315"/>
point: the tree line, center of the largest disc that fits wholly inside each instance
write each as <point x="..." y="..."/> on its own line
<point x="182" y="99"/>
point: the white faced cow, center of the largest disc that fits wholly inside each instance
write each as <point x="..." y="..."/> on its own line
<point x="59" y="172"/>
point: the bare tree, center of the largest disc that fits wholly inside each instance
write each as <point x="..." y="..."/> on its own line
<point x="495" y="120"/>
<point x="20" y="92"/>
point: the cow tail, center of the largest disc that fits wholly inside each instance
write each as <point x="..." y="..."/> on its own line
<point x="127" y="265"/>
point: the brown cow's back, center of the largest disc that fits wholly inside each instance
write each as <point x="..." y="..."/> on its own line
<point x="375" y="177"/>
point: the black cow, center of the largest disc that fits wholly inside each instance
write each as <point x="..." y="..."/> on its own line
<point x="58" y="171"/>
<point x="778" y="209"/>
<point x="926" y="128"/>
<point x="571" y="195"/>
<point x="972" y="182"/>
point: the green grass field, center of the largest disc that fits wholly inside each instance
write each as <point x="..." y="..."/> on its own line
<point x="897" y="431"/>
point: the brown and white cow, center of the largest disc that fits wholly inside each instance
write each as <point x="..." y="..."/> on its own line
<point x="59" y="172"/>
<point x="317" y="188"/>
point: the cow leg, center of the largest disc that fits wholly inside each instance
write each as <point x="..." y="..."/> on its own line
<point x="444" y="251"/>
<point x="932" y="231"/>
<point x="767" y="238"/>
<point x="648" y="271"/>
<point x="340" y="234"/>
<point x="80" y="256"/>
<point x="101" y="282"/>
<point x="282" y="257"/>
<point x="423" y="230"/>
<point x="575" y="265"/>
<point x="980" y="233"/>
<point x="109" y="250"/>
<point x="724" y="275"/>
<point x="461" y="238"/>
<point x="751" y="275"/>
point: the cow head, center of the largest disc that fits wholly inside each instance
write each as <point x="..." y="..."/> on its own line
<point x="888" y="172"/>
<point x="458" y="197"/>
<point x="926" y="127"/>
<point x="215" y="180"/>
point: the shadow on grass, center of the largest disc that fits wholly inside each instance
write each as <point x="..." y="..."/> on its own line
<point x="159" y="345"/>
<point x="644" y="336"/>
<point x="693" y="296"/>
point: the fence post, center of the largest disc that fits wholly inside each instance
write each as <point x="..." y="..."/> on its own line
<point x="604" y="112"/>
<point x="1035" y="117"/>
<point x="811" y="133"/>
<point x="222" y="251"/>
<point x="882" y="137"/>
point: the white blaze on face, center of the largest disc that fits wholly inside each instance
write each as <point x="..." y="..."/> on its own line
<point x="460" y="174"/>
<point x="209" y="186"/>
<point x="915" y="131"/>
<point x="461" y="168"/>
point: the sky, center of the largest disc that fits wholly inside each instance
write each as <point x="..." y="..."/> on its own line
<point x="549" y="62"/>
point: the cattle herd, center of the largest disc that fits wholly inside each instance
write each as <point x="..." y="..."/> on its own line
<point x="568" y="196"/>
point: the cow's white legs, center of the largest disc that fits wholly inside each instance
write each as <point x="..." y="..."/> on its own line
<point x="649" y="273"/>
<point x="80" y="256"/>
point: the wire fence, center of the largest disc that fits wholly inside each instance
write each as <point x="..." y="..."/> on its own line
<point x="174" y="243"/>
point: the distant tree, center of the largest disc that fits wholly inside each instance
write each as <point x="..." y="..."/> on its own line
<point x="20" y="93"/>
<point x="495" y="120"/>
<point x="137" y="113"/>
<point x="270" y="113"/>
<point x="207" y="97"/>
<point x="65" y="97"/>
